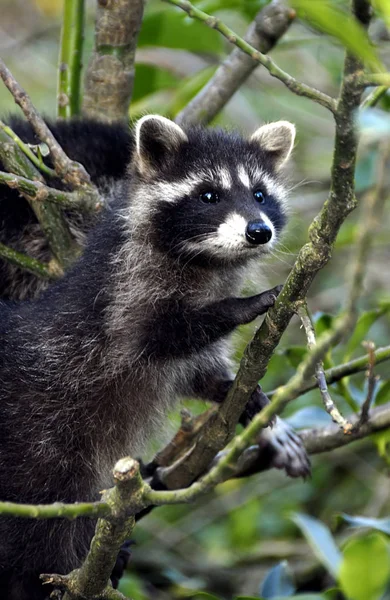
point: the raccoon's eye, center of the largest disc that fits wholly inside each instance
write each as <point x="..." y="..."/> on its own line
<point x="259" y="196"/>
<point x="209" y="197"/>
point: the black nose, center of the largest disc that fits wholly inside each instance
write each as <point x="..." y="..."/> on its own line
<point x="258" y="232"/>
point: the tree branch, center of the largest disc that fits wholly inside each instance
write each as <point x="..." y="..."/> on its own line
<point x="40" y="192"/>
<point x="331" y="437"/>
<point x="110" y="74"/>
<point x="91" y="580"/>
<point x="268" y="27"/>
<point x="373" y="97"/>
<point x="325" y="439"/>
<point x="329" y="405"/>
<point x="50" y="217"/>
<point x="315" y="440"/>
<point x="32" y="265"/>
<point x="70" y="59"/>
<point x="295" y="86"/>
<point x="27" y="151"/>
<point x="71" y="172"/>
<point x="350" y="368"/>
<point x="314" y="255"/>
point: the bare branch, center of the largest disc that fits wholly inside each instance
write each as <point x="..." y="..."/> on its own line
<point x="329" y="405"/>
<point x="68" y="170"/>
<point x="350" y="368"/>
<point x="325" y="439"/>
<point x="267" y="28"/>
<point x="110" y="74"/>
<point x="331" y="437"/>
<point x="295" y="86"/>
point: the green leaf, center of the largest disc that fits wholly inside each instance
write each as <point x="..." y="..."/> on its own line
<point x="173" y="29"/>
<point x="383" y="8"/>
<point x="149" y="79"/>
<point x="278" y="582"/>
<point x="322" y="322"/>
<point x="295" y="354"/>
<point x="363" y="325"/>
<point x="204" y="596"/>
<point x="132" y="587"/>
<point x="382" y="442"/>
<point x="320" y="540"/>
<point x="297" y="597"/>
<point x="379" y="524"/>
<point x="248" y="598"/>
<point x="189" y="87"/>
<point x="365" y="568"/>
<point x="331" y="19"/>
<point x="383" y="394"/>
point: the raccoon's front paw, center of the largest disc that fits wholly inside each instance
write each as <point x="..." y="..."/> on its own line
<point x="284" y="449"/>
<point x="267" y="299"/>
<point x="256" y="402"/>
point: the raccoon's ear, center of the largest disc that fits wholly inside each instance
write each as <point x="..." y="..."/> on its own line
<point x="277" y="139"/>
<point x="156" y="140"/>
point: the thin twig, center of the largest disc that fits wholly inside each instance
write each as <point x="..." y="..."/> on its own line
<point x="345" y="370"/>
<point x="27" y="151"/>
<point x="40" y="192"/>
<point x="369" y="79"/>
<point x="269" y="25"/>
<point x="50" y="217"/>
<point x="32" y="265"/>
<point x="295" y="86"/>
<point x="68" y="170"/>
<point x="372" y="382"/>
<point x="324" y="439"/>
<point x="373" y="97"/>
<point x="329" y="404"/>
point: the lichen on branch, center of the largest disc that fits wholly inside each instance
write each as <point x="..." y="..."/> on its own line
<point x="110" y="74"/>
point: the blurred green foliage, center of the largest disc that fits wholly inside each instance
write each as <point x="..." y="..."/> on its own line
<point x="235" y="540"/>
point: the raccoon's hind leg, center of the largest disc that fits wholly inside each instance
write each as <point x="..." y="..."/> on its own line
<point x="279" y="445"/>
<point x="214" y="386"/>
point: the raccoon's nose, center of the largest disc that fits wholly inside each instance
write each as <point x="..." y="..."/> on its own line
<point x="258" y="232"/>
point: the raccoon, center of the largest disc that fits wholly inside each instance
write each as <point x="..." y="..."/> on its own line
<point x="90" y="368"/>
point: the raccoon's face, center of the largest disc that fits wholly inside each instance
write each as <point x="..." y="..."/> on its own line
<point x="209" y="195"/>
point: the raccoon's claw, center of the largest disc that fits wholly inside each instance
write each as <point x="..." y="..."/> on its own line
<point x="284" y="449"/>
<point x="254" y="405"/>
<point x="274" y="292"/>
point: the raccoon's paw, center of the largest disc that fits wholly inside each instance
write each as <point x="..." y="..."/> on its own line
<point x="284" y="449"/>
<point x="276" y="290"/>
<point x="256" y="402"/>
